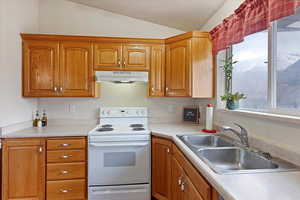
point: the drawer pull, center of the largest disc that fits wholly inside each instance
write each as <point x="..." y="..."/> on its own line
<point x="66" y="156"/>
<point x="64" y="172"/>
<point x="64" y="190"/>
<point x="64" y="145"/>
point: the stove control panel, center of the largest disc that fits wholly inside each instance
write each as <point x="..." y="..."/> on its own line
<point x="115" y="112"/>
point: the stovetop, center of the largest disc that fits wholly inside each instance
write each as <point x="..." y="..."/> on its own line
<point x="110" y="129"/>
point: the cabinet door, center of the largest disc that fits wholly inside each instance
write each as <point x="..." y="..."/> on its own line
<point x="107" y="56"/>
<point x="157" y="72"/>
<point x="23" y="169"/>
<point x="178" y="69"/>
<point x="136" y="57"/>
<point x="161" y="169"/>
<point x="40" y="68"/>
<point x="177" y="181"/>
<point x="190" y="192"/>
<point x="76" y="69"/>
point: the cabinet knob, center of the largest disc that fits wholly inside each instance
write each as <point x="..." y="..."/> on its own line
<point x="180" y="180"/>
<point x="61" y="89"/>
<point x="119" y="63"/>
<point x="55" y="89"/>
<point x="153" y="90"/>
<point x="64" y="190"/>
<point x="64" y="171"/>
<point x="167" y="89"/>
<point x="168" y="150"/>
<point x="40" y="149"/>
<point x="124" y="63"/>
<point x="182" y="186"/>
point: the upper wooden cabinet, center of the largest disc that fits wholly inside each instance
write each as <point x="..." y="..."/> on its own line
<point x="107" y="56"/>
<point x="53" y="68"/>
<point x="136" y="57"/>
<point x="40" y="68"/>
<point x="189" y="65"/>
<point x="116" y="57"/>
<point x="157" y="71"/>
<point x="76" y="69"/>
<point x="178" y="72"/>
<point x="23" y="169"/>
<point x="161" y="165"/>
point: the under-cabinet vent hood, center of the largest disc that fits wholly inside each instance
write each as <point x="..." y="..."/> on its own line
<point x="121" y="76"/>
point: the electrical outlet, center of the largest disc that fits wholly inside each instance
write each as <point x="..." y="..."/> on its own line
<point x="72" y="108"/>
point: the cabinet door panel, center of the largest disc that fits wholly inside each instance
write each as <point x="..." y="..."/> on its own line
<point x="157" y="72"/>
<point x="178" y="70"/>
<point x="40" y="68"/>
<point x="23" y="169"/>
<point x="107" y="56"/>
<point x="136" y="57"/>
<point x="76" y="69"/>
<point x="190" y="192"/>
<point x="161" y="169"/>
<point x="177" y="180"/>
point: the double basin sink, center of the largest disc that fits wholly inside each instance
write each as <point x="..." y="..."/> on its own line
<point x="224" y="156"/>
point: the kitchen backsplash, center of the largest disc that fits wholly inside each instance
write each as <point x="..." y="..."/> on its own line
<point x="161" y="110"/>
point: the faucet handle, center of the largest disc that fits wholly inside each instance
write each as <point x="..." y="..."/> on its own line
<point x="242" y="128"/>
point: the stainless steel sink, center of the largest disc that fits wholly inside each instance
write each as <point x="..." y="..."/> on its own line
<point x="203" y="141"/>
<point x="228" y="160"/>
<point x="226" y="157"/>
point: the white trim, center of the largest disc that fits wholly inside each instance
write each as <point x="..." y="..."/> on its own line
<point x="272" y="66"/>
<point x="263" y="115"/>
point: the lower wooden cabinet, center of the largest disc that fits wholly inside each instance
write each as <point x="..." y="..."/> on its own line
<point x="177" y="171"/>
<point x="28" y="175"/>
<point x="23" y="170"/>
<point x="161" y="165"/>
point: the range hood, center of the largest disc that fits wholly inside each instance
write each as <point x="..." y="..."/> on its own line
<point x="121" y="76"/>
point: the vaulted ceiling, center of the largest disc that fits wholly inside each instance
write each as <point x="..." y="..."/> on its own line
<point x="180" y="14"/>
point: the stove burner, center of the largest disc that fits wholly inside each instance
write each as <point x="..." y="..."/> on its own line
<point x="105" y="129"/>
<point x="136" y="125"/>
<point x="138" y="129"/>
<point x="106" y="126"/>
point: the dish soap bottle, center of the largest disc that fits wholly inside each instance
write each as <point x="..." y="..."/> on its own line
<point x="36" y="118"/>
<point x="44" y="119"/>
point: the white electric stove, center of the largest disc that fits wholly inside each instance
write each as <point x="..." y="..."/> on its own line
<point x="119" y="155"/>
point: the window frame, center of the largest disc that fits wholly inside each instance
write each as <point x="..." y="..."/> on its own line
<point x="272" y="78"/>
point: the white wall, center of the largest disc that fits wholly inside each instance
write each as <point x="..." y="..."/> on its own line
<point x="16" y="16"/>
<point x="65" y="17"/>
<point x="226" y="10"/>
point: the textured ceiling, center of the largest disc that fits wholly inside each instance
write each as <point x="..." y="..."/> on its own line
<point x="181" y="14"/>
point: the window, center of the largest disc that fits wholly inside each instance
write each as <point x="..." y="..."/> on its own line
<point x="268" y="67"/>
<point x="250" y="74"/>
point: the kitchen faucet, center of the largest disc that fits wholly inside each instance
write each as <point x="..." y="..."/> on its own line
<point x="243" y="134"/>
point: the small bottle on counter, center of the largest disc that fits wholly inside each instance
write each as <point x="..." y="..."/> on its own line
<point x="36" y="118"/>
<point x="44" y="119"/>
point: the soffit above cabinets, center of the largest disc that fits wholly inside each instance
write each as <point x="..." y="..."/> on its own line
<point x="184" y="15"/>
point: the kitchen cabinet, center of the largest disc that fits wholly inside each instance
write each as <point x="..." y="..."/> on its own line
<point x="66" y="168"/>
<point x="40" y="68"/>
<point x="185" y="180"/>
<point x="108" y="56"/>
<point x="189" y="65"/>
<point x="157" y="71"/>
<point x="76" y="69"/>
<point x="27" y="173"/>
<point x="23" y="170"/>
<point x="121" y="57"/>
<point x="161" y="165"/>
<point x="56" y="68"/>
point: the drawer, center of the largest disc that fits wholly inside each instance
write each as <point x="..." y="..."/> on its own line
<point x="66" y="171"/>
<point x="72" y="143"/>
<point x="65" y="156"/>
<point x="67" y="190"/>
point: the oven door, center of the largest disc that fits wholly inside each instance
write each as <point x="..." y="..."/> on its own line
<point x="118" y="163"/>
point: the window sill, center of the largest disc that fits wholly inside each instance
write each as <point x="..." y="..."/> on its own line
<point x="262" y="115"/>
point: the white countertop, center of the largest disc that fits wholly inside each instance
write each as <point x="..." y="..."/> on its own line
<point x="260" y="186"/>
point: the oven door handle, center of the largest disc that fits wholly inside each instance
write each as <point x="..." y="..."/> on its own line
<point x="118" y="144"/>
